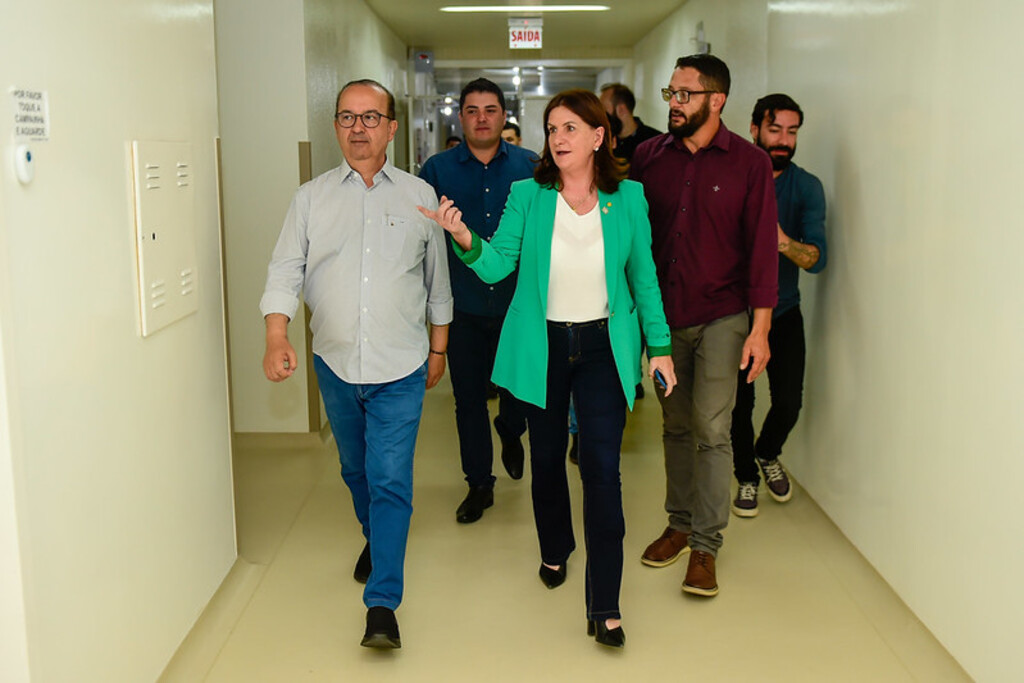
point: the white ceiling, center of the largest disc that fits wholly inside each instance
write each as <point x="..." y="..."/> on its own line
<point x="449" y="81"/>
<point x="422" y="25"/>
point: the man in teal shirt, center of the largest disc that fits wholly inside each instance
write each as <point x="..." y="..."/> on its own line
<point x="775" y="121"/>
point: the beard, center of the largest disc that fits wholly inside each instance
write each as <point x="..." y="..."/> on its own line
<point x="779" y="163"/>
<point x="692" y="123"/>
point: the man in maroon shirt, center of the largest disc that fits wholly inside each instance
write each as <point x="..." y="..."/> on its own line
<point x="713" y="224"/>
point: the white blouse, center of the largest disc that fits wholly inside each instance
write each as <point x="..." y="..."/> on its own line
<point x="577" y="288"/>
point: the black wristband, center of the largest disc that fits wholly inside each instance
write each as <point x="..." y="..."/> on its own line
<point x="440" y="353"/>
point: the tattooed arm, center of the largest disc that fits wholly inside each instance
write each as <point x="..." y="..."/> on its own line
<point x="803" y="255"/>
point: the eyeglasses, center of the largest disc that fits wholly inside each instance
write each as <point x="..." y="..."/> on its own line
<point x="683" y="96"/>
<point x="370" y="119"/>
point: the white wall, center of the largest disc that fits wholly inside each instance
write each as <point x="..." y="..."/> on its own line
<point x="13" y="635"/>
<point x="912" y="434"/>
<point x="345" y="41"/>
<point x="262" y="93"/>
<point x="280" y="64"/>
<point x="119" y="445"/>
<point x="737" y="33"/>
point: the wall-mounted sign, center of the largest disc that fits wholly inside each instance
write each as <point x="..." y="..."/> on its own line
<point x="31" y="114"/>
<point x="525" y="34"/>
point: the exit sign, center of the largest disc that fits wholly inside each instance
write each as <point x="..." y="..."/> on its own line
<point x="525" y="34"/>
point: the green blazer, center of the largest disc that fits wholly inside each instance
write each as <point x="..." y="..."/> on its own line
<point x="634" y="299"/>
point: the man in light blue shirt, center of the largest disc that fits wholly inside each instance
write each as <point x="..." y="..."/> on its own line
<point x="374" y="273"/>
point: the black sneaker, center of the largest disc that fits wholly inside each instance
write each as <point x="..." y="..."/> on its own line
<point x="745" y="504"/>
<point x="775" y="479"/>
<point x="381" y="629"/>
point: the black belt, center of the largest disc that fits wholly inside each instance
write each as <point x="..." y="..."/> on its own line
<point x="573" y="325"/>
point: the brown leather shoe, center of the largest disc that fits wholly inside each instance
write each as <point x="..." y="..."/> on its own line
<point x="667" y="549"/>
<point x="700" y="575"/>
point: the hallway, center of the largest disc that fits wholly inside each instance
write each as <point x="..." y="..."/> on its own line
<point x="803" y="603"/>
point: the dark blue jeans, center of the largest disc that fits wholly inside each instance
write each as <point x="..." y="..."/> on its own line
<point x="580" y="363"/>
<point x="375" y="427"/>
<point x="786" y="386"/>
<point x="472" y="343"/>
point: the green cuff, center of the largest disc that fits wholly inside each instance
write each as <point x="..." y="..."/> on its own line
<point x="475" y="249"/>
<point x="653" y="351"/>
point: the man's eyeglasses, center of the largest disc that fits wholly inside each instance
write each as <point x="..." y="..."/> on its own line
<point x="370" y="119"/>
<point x="682" y="96"/>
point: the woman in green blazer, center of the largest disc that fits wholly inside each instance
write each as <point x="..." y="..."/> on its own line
<point x="580" y="236"/>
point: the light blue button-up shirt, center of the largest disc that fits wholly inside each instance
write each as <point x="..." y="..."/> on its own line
<point x="373" y="269"/>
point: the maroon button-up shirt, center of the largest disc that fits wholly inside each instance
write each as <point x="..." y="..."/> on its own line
<point x="713" y="226"/>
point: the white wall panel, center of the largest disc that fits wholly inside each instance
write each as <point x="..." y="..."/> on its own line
<point x="119" y="444"/>
<point x="13" y="629"/>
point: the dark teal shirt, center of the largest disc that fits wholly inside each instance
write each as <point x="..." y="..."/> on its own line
<point x="801" y="202"/>
<point x="479" y="191"/>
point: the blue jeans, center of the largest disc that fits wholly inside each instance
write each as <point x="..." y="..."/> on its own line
<point x="580" y="363"/>
<point x="375" y="427"/>
<point x="472" y="343"/>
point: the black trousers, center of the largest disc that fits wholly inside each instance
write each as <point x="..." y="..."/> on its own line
<point x="472" y="343"/>
<point x="786" y="386"/>
<point x="580" y="363"/>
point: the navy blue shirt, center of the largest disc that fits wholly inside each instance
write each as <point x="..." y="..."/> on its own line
<point x="801" y="202"/>
<point x="479" y="191"/>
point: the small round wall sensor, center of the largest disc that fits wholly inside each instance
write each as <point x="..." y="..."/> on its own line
<point x="24" y="166"/>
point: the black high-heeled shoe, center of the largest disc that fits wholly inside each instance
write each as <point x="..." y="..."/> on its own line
<point x="553" y="578"/>
<point x="615" y="637"/>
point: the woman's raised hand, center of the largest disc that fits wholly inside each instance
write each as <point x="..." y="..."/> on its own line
<point x="449" y="217"/>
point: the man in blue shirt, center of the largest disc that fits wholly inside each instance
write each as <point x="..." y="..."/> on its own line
<point x="801" y="201"/>
<point x="477" y="175"/>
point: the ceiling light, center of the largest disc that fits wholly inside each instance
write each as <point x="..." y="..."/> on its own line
<point x="519" y="9"/>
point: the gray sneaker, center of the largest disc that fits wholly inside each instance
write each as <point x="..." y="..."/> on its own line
<point x="776" y="480"/>
<point x="745" y="504"/>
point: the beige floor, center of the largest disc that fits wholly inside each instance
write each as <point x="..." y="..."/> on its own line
<point x="797" y="602"/>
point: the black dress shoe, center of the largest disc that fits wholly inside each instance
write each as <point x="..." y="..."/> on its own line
<point x="552" y="578"/>
<point x="363" y="565"/>
<point x="616" y="637"/>
<point x="574" y="450"/>
<point x="381" y="629"/>
<point x="512" y="454"/>
<point x="477" y="500"/>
